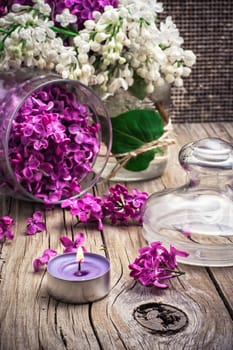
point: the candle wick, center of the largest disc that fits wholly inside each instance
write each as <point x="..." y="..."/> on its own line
<point x="79" y="269"/>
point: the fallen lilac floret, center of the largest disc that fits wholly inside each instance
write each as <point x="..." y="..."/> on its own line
<point x="35" y="224"/>
<point x="70" y="245"/>
<point x="43" y="259"/>
<point x="6" y="224"/>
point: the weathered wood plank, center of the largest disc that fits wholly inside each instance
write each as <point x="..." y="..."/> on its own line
<point x="198" y="297"/>
<point x="220" y="130"/>
<point x="194" y="294"/>
<point x="202" y="298"/>
<point x="30" y="319"/>
<point x="35" y="320"/>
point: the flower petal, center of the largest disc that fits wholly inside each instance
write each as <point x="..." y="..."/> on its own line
<point x="66" y="241"/>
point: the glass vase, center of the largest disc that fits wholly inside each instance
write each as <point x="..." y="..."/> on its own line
<point x="17" y="89"/>
<point x="124" y="101"/>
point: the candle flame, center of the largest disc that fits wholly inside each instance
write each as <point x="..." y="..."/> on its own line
<point x="80" y="255"/>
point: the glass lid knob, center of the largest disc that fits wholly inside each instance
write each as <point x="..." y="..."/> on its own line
<point x="209" y="153"/>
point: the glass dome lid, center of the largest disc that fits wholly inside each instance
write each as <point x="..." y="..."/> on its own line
<point x="197" y="217"/>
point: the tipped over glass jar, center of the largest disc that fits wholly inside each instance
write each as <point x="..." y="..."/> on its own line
<point x="197" y="217"/>
<point x="51" y="132"/>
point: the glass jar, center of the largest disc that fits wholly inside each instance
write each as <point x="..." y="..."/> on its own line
<point x="73" y="124"/>
<point x="197" y="217"/>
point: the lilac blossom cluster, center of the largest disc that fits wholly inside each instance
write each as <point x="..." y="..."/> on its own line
<point x="155" y="264"/>
<point x="87" y="209"/>
<point x="118" y="205"/>
<point x="82" y="10"/>
<point x="6" y="224"/>
<point x="111" y="44"/>
<point x="53" y="143"/>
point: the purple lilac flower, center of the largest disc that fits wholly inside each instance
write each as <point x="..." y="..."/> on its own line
<point x="43" y="259"/>
<point x="72" y="246"/>
<point x="6" y="224"/>
<point x="3" y="10"/>
<point x="87" y="209"/>
<point x="154" y="264"/>
<point x="120" y="205"/>
<point x="35" y="224"/>
<point x="53" y="144"/>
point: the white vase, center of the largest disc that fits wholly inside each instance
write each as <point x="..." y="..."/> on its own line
<point x="121" y="102"/>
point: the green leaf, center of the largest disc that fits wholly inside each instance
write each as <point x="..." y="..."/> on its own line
<point x="132" y="130"/>
<point x="138" y="89"/>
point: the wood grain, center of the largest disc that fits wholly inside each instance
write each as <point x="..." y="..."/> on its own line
<point x="30" y="319"/>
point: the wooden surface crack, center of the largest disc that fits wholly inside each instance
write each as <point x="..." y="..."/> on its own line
<point x="118" y="333"/>
<point x="220" y="292"/>
<point x="104" y="245"/>
<point x="121" y="274"/>
<point x="93" y="327"/>
<point x="63" y="338"/>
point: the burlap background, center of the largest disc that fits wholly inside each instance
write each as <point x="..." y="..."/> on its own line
<point x="207" y="29"/>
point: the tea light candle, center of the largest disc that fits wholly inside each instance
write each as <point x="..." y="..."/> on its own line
<point x="78" y="279"/>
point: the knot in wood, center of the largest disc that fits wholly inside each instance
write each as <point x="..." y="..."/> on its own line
<point x="161" y="318"/>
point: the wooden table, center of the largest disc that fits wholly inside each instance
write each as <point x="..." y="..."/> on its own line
<point x="31" y="320"/>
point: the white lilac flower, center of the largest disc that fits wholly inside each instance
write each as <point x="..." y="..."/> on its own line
<point x="110" y="15"/>
<point x="89" y="24"/>
<point x="174" y="54"/>
<point x="66" y="18"/>
<point x="95" y="46"/>
<point x="189" y="58"/>
<point x="116" y="84"/>
<point x="169" y="78"/>
<point x="30" y="42"/>
<point x="186" y="71"/>
<point x="43" y="8"/>
<point x="19" y="7"/>
<point x="109" y="50"/>
<point x="151" y="6"/>
<point x="100" y="78"/>
<point x="100" y="37"/>
<point x="169" y="34"/>
<point x="178" y="82"/>
<point x="150" y="88"/>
